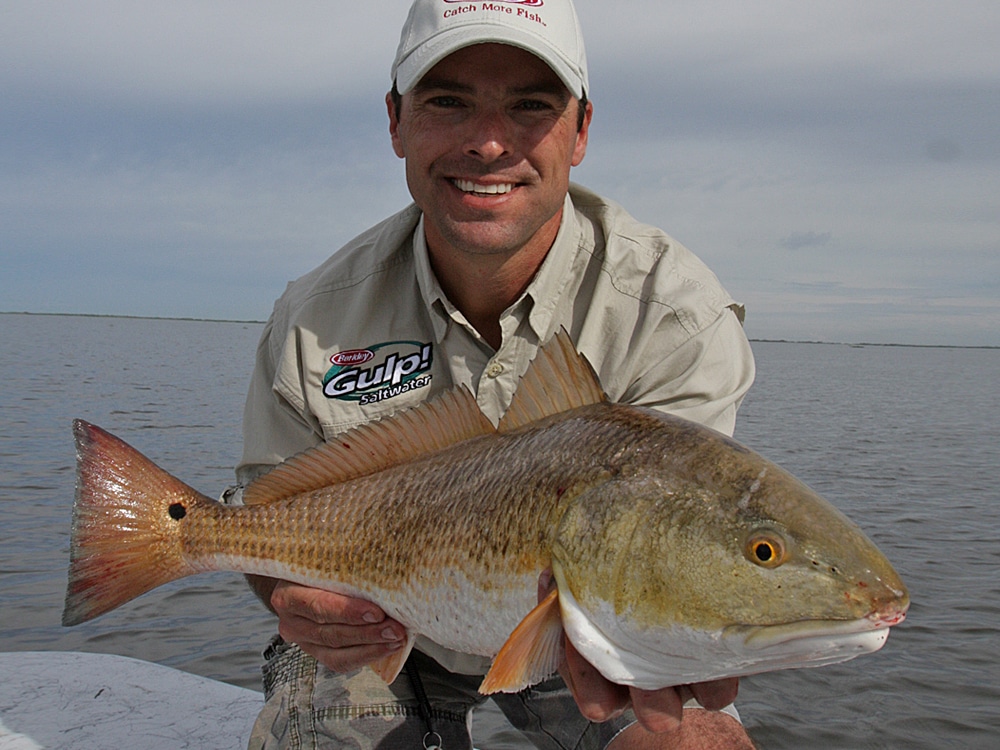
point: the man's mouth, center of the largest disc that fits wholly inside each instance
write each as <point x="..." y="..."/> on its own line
<point x="467" y="186"/>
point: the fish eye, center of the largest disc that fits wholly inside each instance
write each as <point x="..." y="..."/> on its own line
<point x="766" y="548"/>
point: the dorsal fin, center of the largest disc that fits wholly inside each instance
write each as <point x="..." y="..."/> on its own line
<point x="439" y="423"/>
<point x="558" y="379"/>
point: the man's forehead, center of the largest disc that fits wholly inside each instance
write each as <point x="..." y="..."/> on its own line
<point x="516" y="69"/>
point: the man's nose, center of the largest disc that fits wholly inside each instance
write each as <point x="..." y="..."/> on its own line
<point x="489" y="137"/>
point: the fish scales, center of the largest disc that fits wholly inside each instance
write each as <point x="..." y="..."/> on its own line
<point x="489" y="504"/>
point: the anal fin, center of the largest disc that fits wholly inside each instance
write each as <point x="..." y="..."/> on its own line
<point x="531" y="653"/>
<point x="389" y="667"/>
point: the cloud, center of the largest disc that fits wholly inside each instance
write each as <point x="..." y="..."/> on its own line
<point x="187" y="50"/>
<point x="943" y="150"/>
<point x="799" y="240"/>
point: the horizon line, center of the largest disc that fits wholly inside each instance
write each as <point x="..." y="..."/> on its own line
<point x="262" y="322"/>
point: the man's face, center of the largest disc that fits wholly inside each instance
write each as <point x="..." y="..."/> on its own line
<point x="489" y="136"/>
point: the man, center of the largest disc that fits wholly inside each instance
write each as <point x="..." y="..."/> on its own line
<point x="489" y="110"/>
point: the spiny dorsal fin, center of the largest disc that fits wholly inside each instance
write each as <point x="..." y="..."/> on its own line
<point x="439" y="423"/>
<point x="558" y="379"/>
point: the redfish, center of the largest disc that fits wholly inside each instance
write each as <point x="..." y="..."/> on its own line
<point x="679" y="555"/>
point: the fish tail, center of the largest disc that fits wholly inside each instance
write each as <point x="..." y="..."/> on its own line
<point x="127" y="525"/>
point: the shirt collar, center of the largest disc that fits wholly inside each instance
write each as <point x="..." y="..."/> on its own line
<point x="541" y="296"/>
<point x="556" y="273"/>
<point x="441" y="310"/>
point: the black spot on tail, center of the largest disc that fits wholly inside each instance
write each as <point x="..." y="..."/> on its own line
<point x="177" y="511"/>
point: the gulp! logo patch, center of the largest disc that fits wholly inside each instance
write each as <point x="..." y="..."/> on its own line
<point x="378" y="372"/>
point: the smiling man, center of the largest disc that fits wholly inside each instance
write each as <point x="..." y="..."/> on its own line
<point x="489" y="109"/>
<point x="489" y="135"/>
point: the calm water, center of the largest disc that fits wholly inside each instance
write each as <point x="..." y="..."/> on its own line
<point x="905" y="440"/>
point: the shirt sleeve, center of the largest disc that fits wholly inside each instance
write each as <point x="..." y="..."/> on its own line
<point x="703" y="380"/>
<point x="273" y="428"/>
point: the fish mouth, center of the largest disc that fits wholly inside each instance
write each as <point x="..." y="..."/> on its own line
<point x="871" y="630"/>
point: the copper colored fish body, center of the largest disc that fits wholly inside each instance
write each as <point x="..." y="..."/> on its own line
<point x="679" y="555"/>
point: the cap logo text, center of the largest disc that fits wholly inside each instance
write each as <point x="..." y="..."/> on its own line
<point x="531" y="3"/>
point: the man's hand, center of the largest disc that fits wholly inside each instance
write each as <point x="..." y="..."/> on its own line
<point x="341" y="632"/>
<point x="656" y="710"/>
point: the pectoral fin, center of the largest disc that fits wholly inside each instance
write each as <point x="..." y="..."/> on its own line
<point x="532" y="652"/>
<point x="389" y="667"/>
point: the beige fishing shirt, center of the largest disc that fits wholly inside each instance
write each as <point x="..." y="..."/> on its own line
<point x="370" y="332"/>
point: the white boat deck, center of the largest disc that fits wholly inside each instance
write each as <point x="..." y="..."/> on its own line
<point x="58" y="700"/>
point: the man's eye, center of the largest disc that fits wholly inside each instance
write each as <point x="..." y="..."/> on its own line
<point x="534" y="105"/>
<point x="445" y="101"/>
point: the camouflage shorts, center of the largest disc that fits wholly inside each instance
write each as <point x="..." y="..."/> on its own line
<point x="308" y="707"/>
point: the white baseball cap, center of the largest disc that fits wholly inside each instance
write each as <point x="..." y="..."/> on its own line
<point x="548" y="29"/>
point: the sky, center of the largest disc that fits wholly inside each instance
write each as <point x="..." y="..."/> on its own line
<point x="836" y="163"/>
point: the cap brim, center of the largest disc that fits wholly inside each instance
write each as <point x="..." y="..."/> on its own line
<point x="416" y="65"/>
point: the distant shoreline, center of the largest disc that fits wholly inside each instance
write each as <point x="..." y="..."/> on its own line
<point x="857" y="344"/>
<point x="130" y="317"/>
<point x="863" y="344"/>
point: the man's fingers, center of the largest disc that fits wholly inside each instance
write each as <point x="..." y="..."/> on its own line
<point x="323" y="607"/>
<point x="341" y="632"/>
<point x="597" y="699"/>
<point x="658" y="710"/>
<point x="661" y="710"/>
<point x="303" y="630"/>
<point x="348" y="659"/>
<point x="342" y="648"/>
<point x="717" y="694"/>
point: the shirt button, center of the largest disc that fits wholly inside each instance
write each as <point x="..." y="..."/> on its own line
<point x="494" y="370"/>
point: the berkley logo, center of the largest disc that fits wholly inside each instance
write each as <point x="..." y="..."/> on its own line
<point x="352" y="357"/>
<point x="397" y="367"/>
<point x="532" y="3"/>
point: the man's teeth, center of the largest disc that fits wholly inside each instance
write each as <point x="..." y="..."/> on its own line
<point x="467" y="186"/>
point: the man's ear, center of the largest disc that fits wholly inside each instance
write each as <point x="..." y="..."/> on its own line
<point x="583" y="134"/>
<point x="390" y="105"/>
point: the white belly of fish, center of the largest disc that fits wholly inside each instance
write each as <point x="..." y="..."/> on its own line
<point x="654" y="657"/>
<point x="450" y="607"/>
